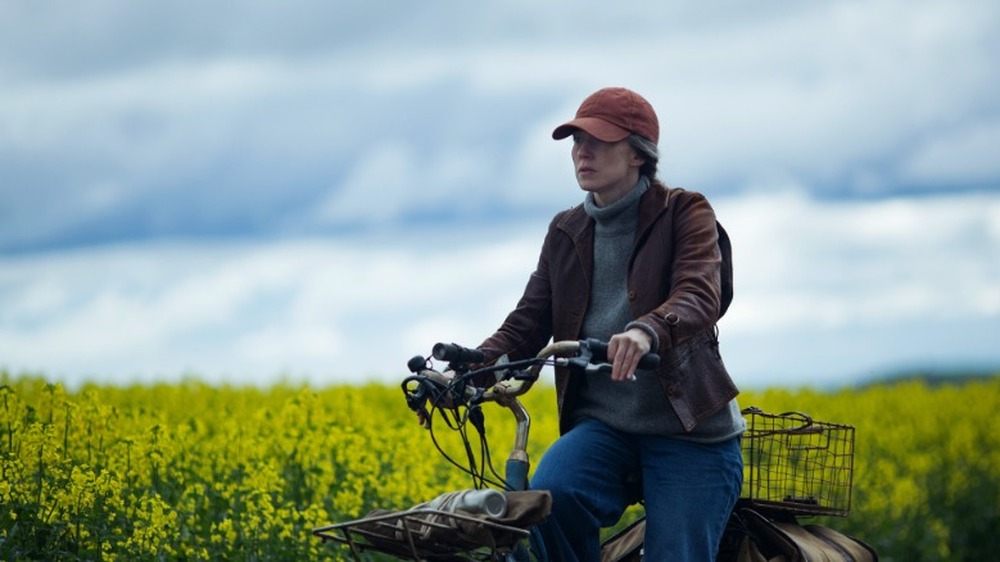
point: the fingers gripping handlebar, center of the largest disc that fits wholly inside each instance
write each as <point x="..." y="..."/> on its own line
<point x="593" y="355"/>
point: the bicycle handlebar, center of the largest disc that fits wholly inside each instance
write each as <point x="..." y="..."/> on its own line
<point x="459" y="395"/>
<point x="516" y="378"/>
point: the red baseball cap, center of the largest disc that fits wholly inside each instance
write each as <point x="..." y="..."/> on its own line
<point x="610" y="114"/>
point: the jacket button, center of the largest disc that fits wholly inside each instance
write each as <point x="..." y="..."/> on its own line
<point x="631" y="295"/>
<point x="672" y="390"/>
<point x="672" y="318"/>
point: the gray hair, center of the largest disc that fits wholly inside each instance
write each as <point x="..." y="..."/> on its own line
<point x="647" y="151"/>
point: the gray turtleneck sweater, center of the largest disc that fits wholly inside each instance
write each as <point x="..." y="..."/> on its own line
<point x="638" y="406"/>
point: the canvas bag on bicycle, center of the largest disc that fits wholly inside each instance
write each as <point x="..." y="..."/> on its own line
<point x="435" y="528"/>
<point x="785" y="540"/>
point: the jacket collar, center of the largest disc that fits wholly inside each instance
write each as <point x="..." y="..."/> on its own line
<point x="653" y="204"/>
<point x="577" y="224"/>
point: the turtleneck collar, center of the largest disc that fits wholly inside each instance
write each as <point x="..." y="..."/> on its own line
<point x="629" y="201"/>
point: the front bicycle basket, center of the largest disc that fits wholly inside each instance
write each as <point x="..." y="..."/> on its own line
<point x="428" y="534"/>
<point x="796" y="464"/>
<point x="424" y="534"/>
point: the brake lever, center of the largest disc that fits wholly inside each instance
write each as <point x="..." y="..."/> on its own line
<point x="416" y="400"/>
<point x="598" y="369"/>
<point x="477" y="396"/>
<point x="424" y="418"/>
<point x="579" y="364"/>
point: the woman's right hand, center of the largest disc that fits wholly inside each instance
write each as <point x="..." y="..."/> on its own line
<point x="625" y="350"/>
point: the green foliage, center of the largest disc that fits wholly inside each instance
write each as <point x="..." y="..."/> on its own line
<point x="190" y="471"/>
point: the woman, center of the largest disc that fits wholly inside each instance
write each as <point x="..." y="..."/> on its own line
<point x="636" y="264"/>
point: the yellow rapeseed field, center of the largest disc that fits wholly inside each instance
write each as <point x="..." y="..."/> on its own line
<point x="190" y="471"/>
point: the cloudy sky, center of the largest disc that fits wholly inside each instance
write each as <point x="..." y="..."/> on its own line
<point x="250" y="191"/>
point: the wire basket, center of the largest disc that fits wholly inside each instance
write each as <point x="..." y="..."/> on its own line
<point x="796" y="464"/>
<point x="425" y="534"/>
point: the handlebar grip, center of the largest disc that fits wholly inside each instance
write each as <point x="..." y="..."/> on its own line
<point x="454" y="353"/>
<point x="600" y="354"/>
<point x="416" y="364"/>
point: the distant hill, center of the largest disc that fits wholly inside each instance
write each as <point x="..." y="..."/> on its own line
<point x="933" y="377"/>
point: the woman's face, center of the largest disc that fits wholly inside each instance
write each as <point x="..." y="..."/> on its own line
<point x="606" y="169"/>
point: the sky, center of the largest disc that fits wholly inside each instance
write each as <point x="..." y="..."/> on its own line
<point x="251" y="192"/>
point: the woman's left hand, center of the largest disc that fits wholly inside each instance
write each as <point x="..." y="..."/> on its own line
<point x="625" y="350"/>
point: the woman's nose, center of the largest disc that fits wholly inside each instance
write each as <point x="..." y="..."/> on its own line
<point x="586" y="146"/>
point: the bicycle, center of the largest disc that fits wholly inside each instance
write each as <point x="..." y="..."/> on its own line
<point x="428" y="391"/>
<point x="796" y="466"/>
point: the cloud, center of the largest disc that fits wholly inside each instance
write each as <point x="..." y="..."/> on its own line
<point x="960" y="157"/>
<point x="394" y="180"/>
<point x="323" y="190"/>
<point x="852" y="263"/>
<point x="248" y="130"/>
<point x="824" y="293"/>
<point x="827" y="95"/>
<point x="829" y="292"/>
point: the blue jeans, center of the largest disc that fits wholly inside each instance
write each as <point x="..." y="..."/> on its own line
<point x="689" y="489"/>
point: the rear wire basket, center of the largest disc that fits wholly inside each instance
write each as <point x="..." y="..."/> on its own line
<point x="796" y="464"/>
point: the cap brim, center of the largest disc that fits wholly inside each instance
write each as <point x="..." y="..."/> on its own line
<point x="597" y="127"/>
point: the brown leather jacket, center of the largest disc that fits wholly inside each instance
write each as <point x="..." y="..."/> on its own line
<point x="674" y="287"/>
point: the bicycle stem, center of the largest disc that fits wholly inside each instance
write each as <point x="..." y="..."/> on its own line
<point x="518" y="463"/>
<point x="516" y="470"/>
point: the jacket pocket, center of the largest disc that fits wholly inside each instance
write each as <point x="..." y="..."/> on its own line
<point x="696" y="381"/>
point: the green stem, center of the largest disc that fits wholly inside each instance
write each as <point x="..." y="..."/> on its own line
<point x="41" y="473"/>
<point x="10" y="423"/>
<point x="66" y="431"/>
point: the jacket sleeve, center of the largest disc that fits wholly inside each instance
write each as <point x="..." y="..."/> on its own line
<point x="694" y="287"/>
<point x="528" y="328"/>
